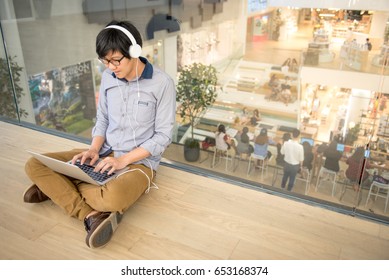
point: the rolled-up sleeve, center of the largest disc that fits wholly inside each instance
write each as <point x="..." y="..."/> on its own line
<point x="164" y="120"/>
<point x="102" y="121"/>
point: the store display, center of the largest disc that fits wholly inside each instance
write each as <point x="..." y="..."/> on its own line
<point x="383" y="127"/>
<point x="355" y="55"/>
<point x="382" y="59"/>
<point x="318" y="50"/>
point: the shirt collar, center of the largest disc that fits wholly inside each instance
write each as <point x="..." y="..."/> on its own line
<point x="147" y="72"/>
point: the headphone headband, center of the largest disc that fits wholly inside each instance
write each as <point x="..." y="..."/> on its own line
<point x="135" y="50"/>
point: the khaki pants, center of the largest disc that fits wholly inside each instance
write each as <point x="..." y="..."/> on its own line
<point x="78" y="198"/>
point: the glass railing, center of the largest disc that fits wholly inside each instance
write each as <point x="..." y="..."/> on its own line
<point x="54" y="84"/>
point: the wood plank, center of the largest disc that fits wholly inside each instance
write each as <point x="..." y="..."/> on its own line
<point x="188" y="217"/>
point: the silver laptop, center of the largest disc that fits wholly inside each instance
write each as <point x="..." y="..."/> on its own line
<point x="82" y="172"/>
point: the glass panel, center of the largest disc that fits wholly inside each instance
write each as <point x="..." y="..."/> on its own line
<point x="300" y="68"/>
<point x="8" y="98"/>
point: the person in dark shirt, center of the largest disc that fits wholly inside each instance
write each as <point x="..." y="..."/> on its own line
<point x="357" y="165"/>
<point x="280" y="157"/>
<point x="332" y="156"/>
<point x="243" y="139"/>
<point x="308" y="155"/>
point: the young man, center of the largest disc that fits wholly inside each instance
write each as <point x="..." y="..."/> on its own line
<point x="368" y="44"/>
<point x="134" y="125"/>
<point x="293" y="156"/>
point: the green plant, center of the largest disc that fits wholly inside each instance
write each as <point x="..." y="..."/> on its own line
<point x="192" y="143"/>
<point x="8" y="100"/>
<point x="352" y="135"/>
<point x="196" y="91"/>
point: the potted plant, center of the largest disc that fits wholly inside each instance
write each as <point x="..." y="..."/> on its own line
<point x="352" y="135"/>
<point x="196" y="91"/>
<point x="10" y="103"/>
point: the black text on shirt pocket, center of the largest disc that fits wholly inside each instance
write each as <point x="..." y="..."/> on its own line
<point x="145" y="110"/>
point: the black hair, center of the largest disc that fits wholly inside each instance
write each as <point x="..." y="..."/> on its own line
<point x="358" y="153"/>
<point x="221" y="128"/>
<point x="111" y="39"/>
<point x="307" y="146"/>
<point x="295" y="133"/>
<point x="286" y="136"/>
<point x="333" y="145"/>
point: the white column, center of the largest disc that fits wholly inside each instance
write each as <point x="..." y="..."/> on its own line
<point x="358" y="101"/>
<point x="378" y="24"/>
<point x="170" y="56"/>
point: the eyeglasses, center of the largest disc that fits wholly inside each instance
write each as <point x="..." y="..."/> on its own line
<point x="114" y="62"/>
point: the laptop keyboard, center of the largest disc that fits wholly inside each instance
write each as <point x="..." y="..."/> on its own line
<point x="97" y="176"/>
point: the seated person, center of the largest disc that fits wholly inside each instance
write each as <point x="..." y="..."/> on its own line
<point x="280" y="157"/>
<point x="286" y="84"/>
<point x="261" y="144"/>
<point x="244" y="116"/>
<point x="256" y="117"/>
<point x="308" y="158"/>
<point x="308" y="155"/>
<point x="357" y="168"/>
<point x="243" y="146"/>
<point x="286" y="96"/>
<point x="222" y="139"/>
<point x="273" y="81"/>
<point x="275" y="86"/>
<point x="332" y="156"/>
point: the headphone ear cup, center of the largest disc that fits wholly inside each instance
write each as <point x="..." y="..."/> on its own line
<point x="135" y="50"/>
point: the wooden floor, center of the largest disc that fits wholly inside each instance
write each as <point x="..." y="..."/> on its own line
<point x="189" y="217"/>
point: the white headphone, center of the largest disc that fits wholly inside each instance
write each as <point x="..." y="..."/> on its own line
<point x="135" y="50"/>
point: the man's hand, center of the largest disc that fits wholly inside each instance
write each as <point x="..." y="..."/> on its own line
<point x="111" y="164"/>
<point x="91" y="154"/>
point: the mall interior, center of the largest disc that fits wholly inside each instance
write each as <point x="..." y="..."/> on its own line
<point x="338" y="86"/>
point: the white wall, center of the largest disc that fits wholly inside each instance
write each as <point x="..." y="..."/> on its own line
<point x="377" y="5"/>
<point x="345" y="79"/>
<point x="170" y="56"/>
<point x="358" y="102"/>
<point x="68" y="7"/>
<point x="378" y="24"/>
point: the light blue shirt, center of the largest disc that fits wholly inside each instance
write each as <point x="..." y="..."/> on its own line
<point x="128" y="119"/>
<point x="261" y="150"/>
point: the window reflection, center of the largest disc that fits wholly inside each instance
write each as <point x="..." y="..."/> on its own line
<point x="300" y="68"/>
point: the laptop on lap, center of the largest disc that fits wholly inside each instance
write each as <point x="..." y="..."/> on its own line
<point x="81" y="172"/>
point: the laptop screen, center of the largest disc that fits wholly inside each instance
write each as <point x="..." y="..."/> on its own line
<point x="309" y="140"/>
<point x="340" y="147"/>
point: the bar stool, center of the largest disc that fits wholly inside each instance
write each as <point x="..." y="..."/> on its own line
<point x="323" y="171"/>
<point x="306" y="179"/>
<point x="263" y="163"/>
<point x="222" y="154"/>
<point x="383" y="188"/>
<point x="348" y="184"/>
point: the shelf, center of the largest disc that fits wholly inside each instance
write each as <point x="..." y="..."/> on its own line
<point x="355" y="58"/>
<point x="383" y="127"/>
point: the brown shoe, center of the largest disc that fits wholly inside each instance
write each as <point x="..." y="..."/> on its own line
<point x="100" y="228"/>
<point x="34" y="195"/>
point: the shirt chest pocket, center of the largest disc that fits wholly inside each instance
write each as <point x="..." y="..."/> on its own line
<point x="145" y="110"/>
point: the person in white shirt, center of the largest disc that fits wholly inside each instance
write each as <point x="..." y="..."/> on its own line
<point x="293" y="156"/>
<point x="222" y="139"/>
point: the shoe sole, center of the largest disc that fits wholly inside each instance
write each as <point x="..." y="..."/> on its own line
<point x="25" y="192"/>
<point x="103" y="233"/>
